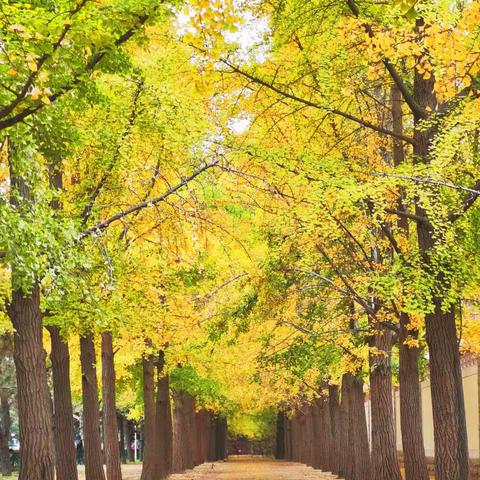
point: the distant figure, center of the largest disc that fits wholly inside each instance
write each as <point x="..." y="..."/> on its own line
<point x="80" y="452"/>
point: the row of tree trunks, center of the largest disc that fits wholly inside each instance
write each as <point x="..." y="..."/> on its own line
<point x="337" y="424"/>
<point x="329" y="434"/>
<point x="199" y="436"/>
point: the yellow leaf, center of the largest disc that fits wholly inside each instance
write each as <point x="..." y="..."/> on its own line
<point x="32" y="66"/>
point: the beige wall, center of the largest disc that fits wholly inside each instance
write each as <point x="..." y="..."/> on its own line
<point x="470" y="386"/>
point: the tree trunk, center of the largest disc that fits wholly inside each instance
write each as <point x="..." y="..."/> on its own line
<point x="5" y="424"/>
<point x="411" y="408"/>
<point x="385" y="465"/>
<point x="326" y="434"/>
<point x="306" y="436"/>
<point x="190" y="432"/>
<point x="121" y="424"/>
<point x="297" y="437"/>
<point x="316" y="446"/>
<point x="409" y="380"/>
<point x="35" y="419"/>
<point x="150" y="448"/>
<point x="110" y="422"/>
<point x="200" y="431"/>
<point x="91" y="414"/>
<point x="334" y="405"/>
<point x="164" y="421"/>
<point x="360" y="447"/>
<point x="288" y="439"/>
<point x="65" y="452"/>
<point x="130" y="437"/>
<point x="346" y="452"/>
<point x="35" y="422"/>
<point x="280" y="437"/>
<point x="220" y="438"/>
<point x="179" y="419"/>
<point x="450" y="430"/>
<point x="211" y="438"/>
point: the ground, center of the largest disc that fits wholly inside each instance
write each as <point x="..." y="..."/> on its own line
<point x="252" y="468"/>
<point x="236" y="468"/>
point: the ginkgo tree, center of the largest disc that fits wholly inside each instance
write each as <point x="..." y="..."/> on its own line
<point x="257" y="230"/>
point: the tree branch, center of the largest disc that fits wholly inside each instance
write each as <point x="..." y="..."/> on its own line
<point x="397" y="79"/>
<point x="79" y="77"/>
<point x="468" y="201"/>
<point x="140" y="206"/>
<point x="309" y="103"/>
<point x="20" y="96"/>
<point x="411" y="216"/>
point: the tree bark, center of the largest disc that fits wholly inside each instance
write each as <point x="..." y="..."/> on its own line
<point x="288" y="439"/>
<point x="190" y="432"/>
<point x="91" y="414"/>
<point x="35" y="422"/>
<point x="296" y="437"/>
<point x="385" y="465"/>
<point x="211" y="437"/>
<point x="358" y="430"/>
<point x="411" y="408"/>
<point x="280" y="437"/>
<point x="220" y="438"/>
<point x="164" y="421"/>
<point x="110" y="422"/>
<point x="122" y="432"/>
<point x="346" y="452"/>
<point x="130" y="437"/>
<point x="65" y="452"/>
<point x="5" y="424"/>
<point x="326" y="434"/>
<point x="306" y="423"/>
<point x="179" y="432"/>
<point x="316" y="435"/>
<point x="334" y="406"/>
<point x="150" y="448"/>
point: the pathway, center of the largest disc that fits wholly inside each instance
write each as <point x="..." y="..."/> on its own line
<point x="239" y="468"/>
<point x="253" y="468"/>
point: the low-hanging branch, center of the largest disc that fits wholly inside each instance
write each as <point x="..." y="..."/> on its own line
<point x="145" y="204"/>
